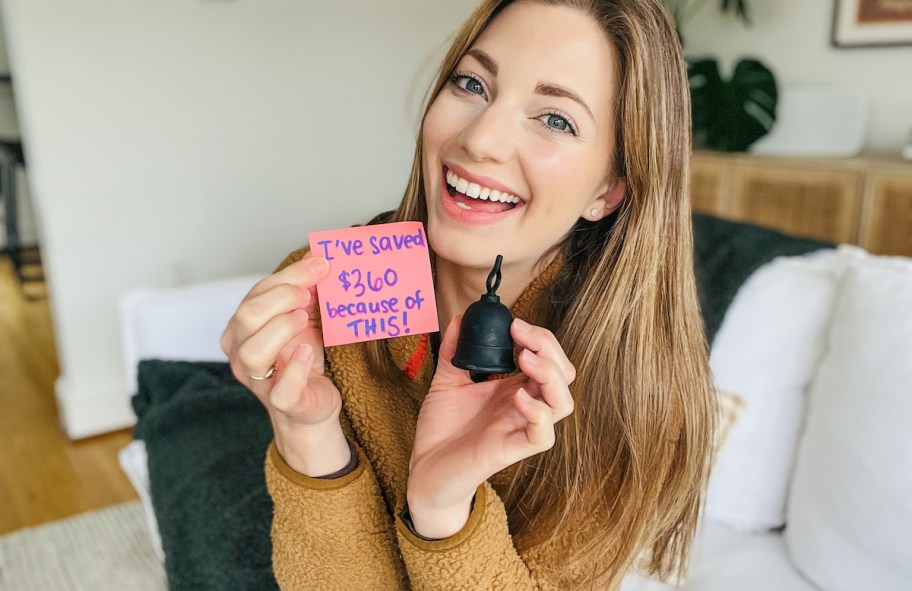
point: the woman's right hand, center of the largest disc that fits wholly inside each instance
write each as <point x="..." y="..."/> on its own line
<point x="278" y="322"/>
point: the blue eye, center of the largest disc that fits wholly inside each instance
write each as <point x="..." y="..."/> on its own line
<point x="467" y="83"/>
<point x="558" y="123"/>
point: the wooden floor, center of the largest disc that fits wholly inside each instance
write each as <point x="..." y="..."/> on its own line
<point x="43" y="475"/>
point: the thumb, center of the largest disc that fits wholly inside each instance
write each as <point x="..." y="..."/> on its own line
<point x="445" y="368"/>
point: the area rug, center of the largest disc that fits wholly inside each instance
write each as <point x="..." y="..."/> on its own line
<point x="102" y="550"/>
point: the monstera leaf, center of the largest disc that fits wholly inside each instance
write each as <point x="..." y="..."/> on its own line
<point x="730" y="115"/>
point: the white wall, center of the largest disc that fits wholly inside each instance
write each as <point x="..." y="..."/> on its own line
<point x="178" y="141"/>
<point x="793" y="39"/>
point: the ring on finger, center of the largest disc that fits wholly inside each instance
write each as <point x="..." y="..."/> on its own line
<point x="271" y="372"/>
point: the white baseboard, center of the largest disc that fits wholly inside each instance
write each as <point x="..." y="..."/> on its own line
<point x="87" y="412"/>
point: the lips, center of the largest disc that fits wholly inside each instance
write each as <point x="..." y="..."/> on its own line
<point x="480" y="198"/>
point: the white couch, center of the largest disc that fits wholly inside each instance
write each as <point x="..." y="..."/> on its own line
<point x="812" y="488"/>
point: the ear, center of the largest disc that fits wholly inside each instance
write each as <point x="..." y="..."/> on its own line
<point x="608" y="201"/>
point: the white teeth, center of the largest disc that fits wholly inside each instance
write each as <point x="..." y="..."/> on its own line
<point x="476" y="191"/>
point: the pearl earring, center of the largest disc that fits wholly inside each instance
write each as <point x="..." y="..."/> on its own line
<point x="594" y="212"/>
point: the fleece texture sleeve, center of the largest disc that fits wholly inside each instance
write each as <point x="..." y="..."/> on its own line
<point x="480" y="556"/>
<point x="331" y="534"/>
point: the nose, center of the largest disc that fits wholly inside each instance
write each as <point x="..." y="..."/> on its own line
<point x="489" y="136"/>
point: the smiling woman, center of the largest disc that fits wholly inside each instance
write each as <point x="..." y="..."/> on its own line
<point x="558" y="136"/>
<point x="528" y="110"/>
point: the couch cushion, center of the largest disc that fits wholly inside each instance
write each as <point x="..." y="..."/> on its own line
<point x="850" y="507"/>
<point x="177" y="322"/>
<point x="767" y="351"/>
<point x="724" y="560"/>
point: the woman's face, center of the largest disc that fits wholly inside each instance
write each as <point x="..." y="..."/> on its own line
<point x="525" y="132"/>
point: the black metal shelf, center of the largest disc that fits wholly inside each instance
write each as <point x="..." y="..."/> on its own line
<point x="26" y="259"/>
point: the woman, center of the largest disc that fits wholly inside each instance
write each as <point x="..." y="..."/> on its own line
<point x="557" y="135"/>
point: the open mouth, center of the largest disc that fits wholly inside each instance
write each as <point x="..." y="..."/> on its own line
<point x="474" y="197"/>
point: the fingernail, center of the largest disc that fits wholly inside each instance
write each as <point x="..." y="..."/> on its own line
<point x="303" y="352"/>
<point x="521" y="325"/>
<point x="530" y="357"/>
<point x="318" y="265"/>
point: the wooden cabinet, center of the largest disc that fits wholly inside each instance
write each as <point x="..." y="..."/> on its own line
<point x="887" y="222"/>
<point x="817" y="203"/>
<point x="710" y="183"/>
<point x="865" y="201"/>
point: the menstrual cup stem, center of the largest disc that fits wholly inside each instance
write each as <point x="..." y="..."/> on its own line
<point x="495" y="276"/>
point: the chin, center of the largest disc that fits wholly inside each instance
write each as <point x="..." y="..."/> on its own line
<point x="459" y="255"/>
<point x="458" y="250"/>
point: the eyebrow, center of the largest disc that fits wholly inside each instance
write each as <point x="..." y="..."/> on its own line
<point x="543" y="88"/>
<point x="485" y="59"/>
<point x="555" y="90"/>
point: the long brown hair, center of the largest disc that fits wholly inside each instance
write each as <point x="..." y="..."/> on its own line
<point x="636" y="451"/>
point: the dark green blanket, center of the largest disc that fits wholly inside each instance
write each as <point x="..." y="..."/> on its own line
<point x="725" y="255"/>
<point x="206" y="435"/>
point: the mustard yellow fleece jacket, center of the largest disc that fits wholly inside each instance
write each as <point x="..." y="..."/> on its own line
<point x="346" y="533"/>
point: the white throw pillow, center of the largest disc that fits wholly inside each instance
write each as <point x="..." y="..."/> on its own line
<point x="766" y="352"/>
<point x="850" y="507"/>
<point x="178" y="323"/>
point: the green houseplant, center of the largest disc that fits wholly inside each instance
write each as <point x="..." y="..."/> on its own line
<point x="728" y="115"/>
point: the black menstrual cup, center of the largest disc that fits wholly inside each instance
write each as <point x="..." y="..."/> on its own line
<point x="485" y="346"/>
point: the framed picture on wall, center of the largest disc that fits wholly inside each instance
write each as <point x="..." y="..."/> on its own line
<point x="872" y="23"/>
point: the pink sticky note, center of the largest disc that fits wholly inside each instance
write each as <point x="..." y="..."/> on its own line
<point x="379" y="284"/>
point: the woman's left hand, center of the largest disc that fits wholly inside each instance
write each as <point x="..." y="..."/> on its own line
<point x="467" y="432"/>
